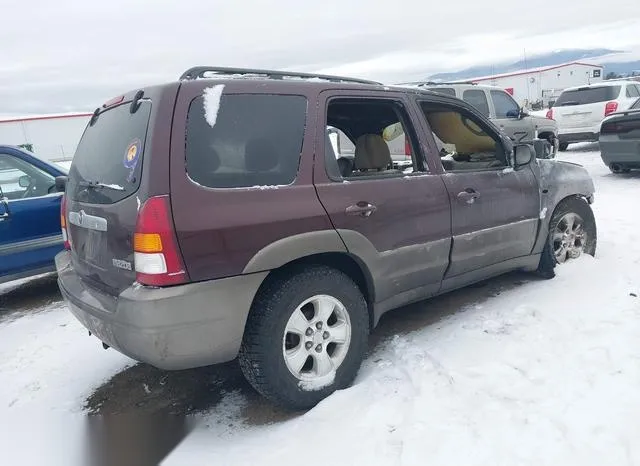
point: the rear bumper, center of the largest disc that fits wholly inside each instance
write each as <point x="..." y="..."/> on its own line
<point x="171" y="328"/>
<point x="587" y="136"/>
<point x="616" y="150"/>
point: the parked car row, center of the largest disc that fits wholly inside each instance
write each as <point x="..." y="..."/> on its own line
<point x="210" y="219"/>
<point x="606" y="112"/>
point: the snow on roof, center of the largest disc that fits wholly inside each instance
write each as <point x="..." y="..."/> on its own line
<point x="48" y="116"/>
<point x="527" y="71"/>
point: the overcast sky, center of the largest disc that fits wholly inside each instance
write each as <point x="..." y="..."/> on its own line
<point x="67" y="55"/>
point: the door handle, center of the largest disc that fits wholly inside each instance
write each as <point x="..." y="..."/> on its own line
<point x="468" y="196"/>
<point x="362" y="208"/>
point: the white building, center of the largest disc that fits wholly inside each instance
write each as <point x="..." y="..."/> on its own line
<point x="54" y="137"/>
<point x="545" y="83"/>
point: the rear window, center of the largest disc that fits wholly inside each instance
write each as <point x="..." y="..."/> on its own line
<point x="255" y="140"/>
<point x="108" y="161"/>
<point x="588" y="95"/>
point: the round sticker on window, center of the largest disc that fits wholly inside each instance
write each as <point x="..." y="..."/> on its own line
<point x="132" y="153"/>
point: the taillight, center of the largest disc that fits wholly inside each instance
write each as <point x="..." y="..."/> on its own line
<point x="157" y="259"/>
<point x="610" y="108"/>
<point x="620" y="127"/>
<point x="63" y="223"/>
<point x="550" y="114"/>
<point x="407" y="147"/>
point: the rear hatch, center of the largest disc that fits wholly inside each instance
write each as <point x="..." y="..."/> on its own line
<point x="583" y="109"/>
<point x="102" y="194"/>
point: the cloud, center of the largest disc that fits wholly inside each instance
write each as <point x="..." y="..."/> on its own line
<point x="74" y="54"/>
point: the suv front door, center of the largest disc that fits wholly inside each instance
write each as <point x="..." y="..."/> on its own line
<point x="507" y="118"/>
<point x="396" y="221"/>
<point x="494" y="209"/>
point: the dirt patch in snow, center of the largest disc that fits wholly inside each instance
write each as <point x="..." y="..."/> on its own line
<point x="28" y="296"/>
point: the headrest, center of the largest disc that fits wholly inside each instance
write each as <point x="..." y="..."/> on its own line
<point x="260" y="155"/>
<point x="372" y="153"/>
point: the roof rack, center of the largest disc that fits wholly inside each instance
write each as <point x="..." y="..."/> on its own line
<point x="438" y="83"/>
<point x="199" y="72"/>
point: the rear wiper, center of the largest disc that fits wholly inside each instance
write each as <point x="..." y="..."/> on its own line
<point x="569" y="102"/>
<point x="99" y="185"/>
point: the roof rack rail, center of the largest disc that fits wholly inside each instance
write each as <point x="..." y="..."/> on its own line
<point x="199" y="72"/>
<point x="437" y="83"/>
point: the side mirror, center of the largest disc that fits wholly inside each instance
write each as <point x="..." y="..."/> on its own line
<point x="523" y="113"/>
<point x="513" y="114"/>
<point x="524" y="154"/>
<point x="61" y="183"/>
<point x="24" y="181"/>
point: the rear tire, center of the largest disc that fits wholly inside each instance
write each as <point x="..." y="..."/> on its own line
<point x="291" y="340"/>
<point x="578" y="209"/>
<point x="563" y="146"/>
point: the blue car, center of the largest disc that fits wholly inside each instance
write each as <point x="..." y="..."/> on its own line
<point x="30" y="233"/>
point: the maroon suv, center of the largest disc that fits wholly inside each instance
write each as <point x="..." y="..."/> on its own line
<point x="215" y="217"/>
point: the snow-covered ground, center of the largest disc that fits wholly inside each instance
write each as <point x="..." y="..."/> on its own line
<point x="545" y="373"/>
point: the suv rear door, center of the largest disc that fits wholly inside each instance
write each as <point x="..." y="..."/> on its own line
<point x="398" y="223"/>
<point x="121" y="160"/>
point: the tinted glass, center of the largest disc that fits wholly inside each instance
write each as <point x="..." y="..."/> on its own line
<point x="444" y="90"/>
<point x="256" y="141"/>
<point x="632" y="91"/>
<point x="478" y="99"/>
<point x="110" y="155"/>
<point x="505" y="106"/>
<point x="588" y="95"/>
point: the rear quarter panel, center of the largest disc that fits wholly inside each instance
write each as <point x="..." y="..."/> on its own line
<point x="220" y="230"/>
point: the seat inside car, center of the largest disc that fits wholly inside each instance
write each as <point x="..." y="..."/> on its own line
<point x="372" y="156"/>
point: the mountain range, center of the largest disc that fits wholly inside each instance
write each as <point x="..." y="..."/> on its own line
<point x="549" y="59"/>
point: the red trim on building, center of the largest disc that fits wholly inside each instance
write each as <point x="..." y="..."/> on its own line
<point x="51" y="117"/>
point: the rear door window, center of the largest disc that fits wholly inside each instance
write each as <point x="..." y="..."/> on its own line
<point x="255" y="140"/>
<point x="588" y="95"/>
<point x="478" y="99"/>
<point x="107" y="164"/>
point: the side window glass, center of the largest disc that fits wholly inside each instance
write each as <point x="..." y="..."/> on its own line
<point x="478" y="99"/>
<point x="636" y="105"/>
<point x="505" y="106"/>
<point x="369" y="138"/>
<point x="21" y="180"/>
<point x="464" y="144"/>
<point x="252" y="140"/>
<point x="632" y="91"/>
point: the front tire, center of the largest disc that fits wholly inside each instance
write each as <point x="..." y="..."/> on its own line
<point x="572" y="232"/>
<point x="306" y="336"/>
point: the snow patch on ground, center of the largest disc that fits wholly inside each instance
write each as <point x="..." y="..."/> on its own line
<point x="317" y="383"/>
<point x="212" y="97"/>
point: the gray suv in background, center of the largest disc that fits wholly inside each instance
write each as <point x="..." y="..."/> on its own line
<point x="497" y="105"/>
